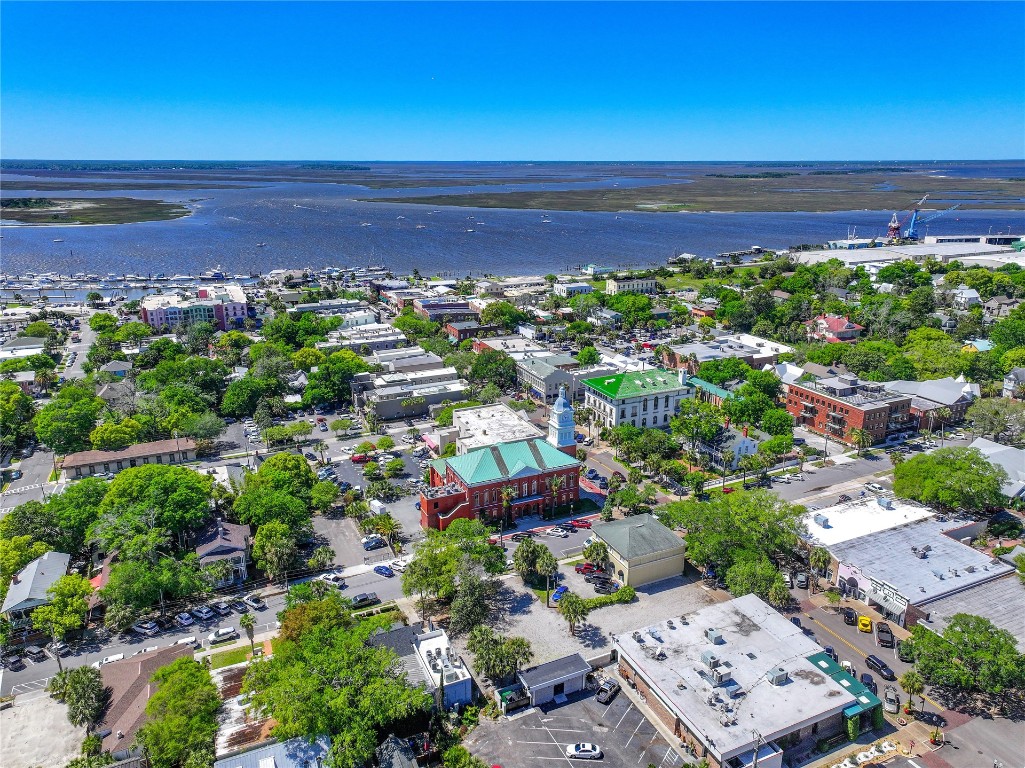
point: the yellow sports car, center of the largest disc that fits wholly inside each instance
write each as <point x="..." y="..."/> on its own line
<point x="864" y="624"/>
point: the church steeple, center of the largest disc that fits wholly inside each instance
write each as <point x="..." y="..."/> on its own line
<point x="561" y="427"/>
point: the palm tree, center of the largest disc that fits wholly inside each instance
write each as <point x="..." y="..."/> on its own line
<point x="749" y="463"/>
<point x="248" y="623"/>
<point x="819" y="560"/>
<point x="944" y="415"/>
<point x="862" y="439"/>
<point x="508" y="494"/>
<point x="726" y="458"/>
<point x="896" y="458"/>
<point x="555" y="483"/>
<point x="44" y="378"/>
<point x="387" y="526"/>
<point x="912" y="684"/>
<point x="573" y="610"/>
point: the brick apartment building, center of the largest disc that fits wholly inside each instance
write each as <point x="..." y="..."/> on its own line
<point x="837" y="405"/>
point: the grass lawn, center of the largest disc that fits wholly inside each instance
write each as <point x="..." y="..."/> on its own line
<point x="227" y="658"/>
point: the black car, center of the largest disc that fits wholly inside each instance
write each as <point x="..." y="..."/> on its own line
<point x="239" y="606"/>
<point x="884" y="635"/>
<point x="868" y="682"/>
<point x="877" y="664"/>
<point x="594" y="578"/>
<point x="905" y="651"/>
<point x="605" y="587"/>
<point x="310" y="456"/>
<point x="607" y="691"/>
<point x="521" y="535"/>
<point x="221" y="607"/>
<point x="12" y="661"/>
<point x="831" y="653"/>
<point x="850" y="616"/>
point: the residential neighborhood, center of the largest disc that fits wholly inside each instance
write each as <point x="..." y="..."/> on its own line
<point x="762" y="513"/>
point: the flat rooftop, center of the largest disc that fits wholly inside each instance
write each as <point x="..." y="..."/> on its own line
<point x="999" y="600"/>
<point x="860" y="517"/>
<point x="892" y="555"/>
<point x="755" y="641"/>
<point x="490" y="424"/>
<point x="439" y="659"/>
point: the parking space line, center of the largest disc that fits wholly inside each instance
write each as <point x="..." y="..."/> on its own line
<point x="616" y="727"/>
<point x="643" y="719"/>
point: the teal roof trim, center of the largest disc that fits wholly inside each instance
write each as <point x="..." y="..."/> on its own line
<point x="711" y="388"/>
<point x="505" y="461"/>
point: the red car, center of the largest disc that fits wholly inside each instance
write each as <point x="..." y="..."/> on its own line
<point x="728" y="489"/>
<point x="360" y="458"/>
<point x="580" y="523"/>
<point x="619" y="476"/>
<point x="586" y="568"/>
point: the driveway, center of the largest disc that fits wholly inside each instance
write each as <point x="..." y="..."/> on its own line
<point x="540" y="736"/>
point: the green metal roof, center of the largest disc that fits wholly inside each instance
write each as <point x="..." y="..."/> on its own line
<point x="635" y="383"/>
<point x="638" y="536"/>
<point x="504" y="461"/>
<point x="865" y="699"/>
<point x="711" y="388"/>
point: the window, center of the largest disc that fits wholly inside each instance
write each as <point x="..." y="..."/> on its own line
<point x="644" y="405"/>
<point x="533" y="488"/>
<point x="666" y="405"/>
<point x="476" y="499"/>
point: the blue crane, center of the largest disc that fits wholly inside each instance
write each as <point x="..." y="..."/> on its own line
<point x="912" y="231"/>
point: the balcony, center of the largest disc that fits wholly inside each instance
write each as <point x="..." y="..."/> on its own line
<point x="835" y="428"/>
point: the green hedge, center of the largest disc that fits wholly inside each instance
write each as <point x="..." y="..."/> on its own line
<point x="621" y="595"/>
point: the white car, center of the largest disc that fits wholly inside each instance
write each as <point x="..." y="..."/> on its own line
<point x="584" y="751"/>
<point x="334" y="579"/>
<point x="875" y="487"/>
<point x="221" y="635"/>
<point x="183" y="619"/>
<point x="399" y="565"/>
<point x="557" y="533"/>
<point x="147" y="628"/>
<point x="797" y="476"/>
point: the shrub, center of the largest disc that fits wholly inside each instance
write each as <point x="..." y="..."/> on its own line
<point x="620" y="596"/>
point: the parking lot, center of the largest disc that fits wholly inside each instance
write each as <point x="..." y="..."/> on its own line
<point x="540" y="737"/>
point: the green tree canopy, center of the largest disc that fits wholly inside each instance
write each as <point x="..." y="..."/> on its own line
<point x="181" y="716"/>
<point x="952" y="478"/>
<point x="971" y="654"/>
<point x="66" y="422"/>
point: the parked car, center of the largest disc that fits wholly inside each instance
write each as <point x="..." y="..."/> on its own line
<point x="801" y="580"/>
<point x="322" y="427"/>
<point x="584" y="751"/>
<point x="222" y="635"/>
<point x="875" y="487"/>
<point x="844" y="497"/>
<point x="594" y="578"/>
<point x="891" y="700"/>
<point x="864" y="624"/>
<point x="183" y="619"/>
<point x="238" y="605"/>
<point x="880" y="666"/>
<point x="591" y="473"/>
<point x="830" y="652"/>
<point x="359" y="458"/>
<point x="788" y="579"/>
<point x="16" y="474"/>
<point x="310" y="455"/>
<point x="884" y="635"/>
<point x="203" y="613"/>
<point x="558" y="593"/>
<point x="254" y="602"/>
<point x="605" y="587"/>
<point x="35" y="653"/>
<point x="580" y="523"/>
<point x="107" y="660"/>
<point x="12" y="661"/>
<point x="869" y="682"/>
<point x="373" y="542"/>
<point x="147" y="628"/>
<point x="334" y="579"/>
<point x="607" y="691"/>
<point x="586" y="568"/>
<point x="521" y="535"/>
<point x="850" y="616"/>
<point x="557" y="533"/>
<point x="221" y="608"/>
<point x="58" y="648"/>
<point x="384" y="570"/>
<point x="905" y="651"/>
<point x="364" y="599"/>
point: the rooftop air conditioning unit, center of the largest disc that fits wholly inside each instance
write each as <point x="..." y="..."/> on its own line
<point x="714" y="636"/>
<point x="777" y="676"/>
<point x="821" y="520"/>
<point x="722" y="675"/>
<point x="921" y="554"/>
<point x="709" y="659"/>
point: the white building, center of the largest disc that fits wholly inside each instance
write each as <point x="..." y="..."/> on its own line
<point x="566" y="290"/>
<point x="630" y="285"/>
<point x="641" y="398"/>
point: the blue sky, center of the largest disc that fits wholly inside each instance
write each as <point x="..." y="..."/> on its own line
<point x="491" y="81"/>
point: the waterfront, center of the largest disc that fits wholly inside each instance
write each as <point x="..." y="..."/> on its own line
<point x="303" y="224"/>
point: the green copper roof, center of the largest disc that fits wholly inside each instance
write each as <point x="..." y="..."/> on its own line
<point x="638" y="536"/>
<point x="504" y="461"/>
<point x="866" y="700"/>
<point x="635" y="383"/>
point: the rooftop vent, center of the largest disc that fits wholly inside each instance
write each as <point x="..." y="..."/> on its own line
<point x="821" y="520"/>
<point x="714" y="636"/>
<point x="777" y="676"/>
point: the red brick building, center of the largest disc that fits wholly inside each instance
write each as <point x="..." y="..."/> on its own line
<point x="470" y="486"/>
<point x="837" y="405"/>
<point x="833" y="328"/>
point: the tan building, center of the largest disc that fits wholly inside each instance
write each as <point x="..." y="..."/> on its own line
<point x="90" y="463"/>
<point x="641" y="549"/>
<point x="630" y="285"/>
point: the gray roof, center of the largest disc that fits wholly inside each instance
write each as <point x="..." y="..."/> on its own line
<point x="294" y="753"/>
<point x="1011" y="459"/>
<point x="22" y="342"/>
<point x="116" y="365"/>
<point x="949" y="565"/>
<point x="552" y="671"/>
<point x="945" y="391"/>
<point x="400" y="640"/>
<point x="219" y="540"/>
<point x="1000" y="601"/>
<point x="29" y="585"/>
<point x="1016" y="374"/>
<point x="396" y="753"/>
<point x="637" y="536"/>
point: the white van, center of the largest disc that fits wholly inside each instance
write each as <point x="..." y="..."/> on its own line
<point x="190" y="640"/>
<point x="107" y="660"/>
<point x="221" y="635"/>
